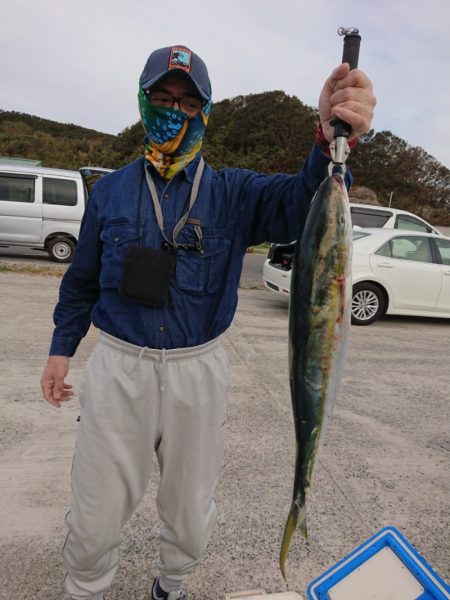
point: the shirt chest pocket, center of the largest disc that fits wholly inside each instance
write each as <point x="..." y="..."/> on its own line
<point x="116" y="240"/>
<point x="202" y="271"/>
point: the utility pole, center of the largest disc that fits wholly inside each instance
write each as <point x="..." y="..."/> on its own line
<point x="390" y="199"/>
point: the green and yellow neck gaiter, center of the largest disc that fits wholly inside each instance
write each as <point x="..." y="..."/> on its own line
<point x="173" y="138"/>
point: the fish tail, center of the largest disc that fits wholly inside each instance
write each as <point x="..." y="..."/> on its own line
<point x="302" y="521"/>
<point x="297" y="512"/>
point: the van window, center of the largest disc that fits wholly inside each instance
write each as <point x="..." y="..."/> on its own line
<point x="369" y="218"/>
<point x="15" y="188"/>
<point x="62" y="192"/>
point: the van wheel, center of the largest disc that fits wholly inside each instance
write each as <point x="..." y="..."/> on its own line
<point x="61" y="250"/>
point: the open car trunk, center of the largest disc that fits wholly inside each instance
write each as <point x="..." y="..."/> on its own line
<point x="281" y="256"/>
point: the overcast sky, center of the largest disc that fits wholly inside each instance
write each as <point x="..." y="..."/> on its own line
<point x="79" y="61"/>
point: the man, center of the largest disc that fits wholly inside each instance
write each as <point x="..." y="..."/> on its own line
<point x="157" y="269"/>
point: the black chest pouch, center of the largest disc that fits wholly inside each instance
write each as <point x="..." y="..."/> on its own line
<point x="146" y="276"/>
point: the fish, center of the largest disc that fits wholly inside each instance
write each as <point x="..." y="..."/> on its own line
<point x="319" y="322"/>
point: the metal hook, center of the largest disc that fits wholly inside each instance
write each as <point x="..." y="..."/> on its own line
<point x="339" y="151"/>
<point x="348" y="31"/>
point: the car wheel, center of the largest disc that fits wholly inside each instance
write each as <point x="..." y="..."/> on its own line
<point x="61" y="249"/>
<point x="367" y="303"/>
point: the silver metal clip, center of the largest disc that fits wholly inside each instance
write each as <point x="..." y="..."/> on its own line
<point x="339" y="151"/>
<point x="348" y="31"/>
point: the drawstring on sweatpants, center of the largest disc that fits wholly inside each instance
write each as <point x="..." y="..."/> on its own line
<point x="138" y="362"/>
<point x="162" y="375"/>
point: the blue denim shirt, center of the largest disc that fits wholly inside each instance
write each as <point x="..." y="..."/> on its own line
<point x="237" y="208"/>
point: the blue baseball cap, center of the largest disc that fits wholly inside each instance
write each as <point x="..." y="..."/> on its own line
<point x="181" y="60"/>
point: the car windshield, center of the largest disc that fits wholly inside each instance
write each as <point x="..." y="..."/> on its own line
<point x="357" y="234"/>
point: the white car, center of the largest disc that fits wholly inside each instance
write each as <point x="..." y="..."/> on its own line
<point x="393" y="272"/>
<point x="369" y="215"/>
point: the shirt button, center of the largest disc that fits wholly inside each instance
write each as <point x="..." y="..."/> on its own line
<point x="166" y="195"/>
<point x="161" y="327"/>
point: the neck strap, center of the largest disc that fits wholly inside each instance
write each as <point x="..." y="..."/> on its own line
<point x="158" y="212"/>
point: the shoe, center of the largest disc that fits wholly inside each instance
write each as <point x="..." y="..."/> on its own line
<point x="160" y="594"/>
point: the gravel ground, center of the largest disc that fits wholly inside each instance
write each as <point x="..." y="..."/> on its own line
<point x="384" y="461"/>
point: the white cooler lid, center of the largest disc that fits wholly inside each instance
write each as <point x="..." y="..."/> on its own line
<point x="381" y="577"/>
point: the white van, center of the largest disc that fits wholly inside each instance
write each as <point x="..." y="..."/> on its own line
<point x="42" y="208"/>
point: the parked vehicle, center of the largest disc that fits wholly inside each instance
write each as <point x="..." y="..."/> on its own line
<point x="393" y="272"/>
<point x="368" y="215"/>
<point x="42" y="208"/>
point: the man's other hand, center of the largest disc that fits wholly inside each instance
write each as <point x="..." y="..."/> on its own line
<point x="54" y="388"/>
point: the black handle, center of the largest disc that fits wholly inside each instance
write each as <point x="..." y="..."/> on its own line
<point x="350" y="55"/>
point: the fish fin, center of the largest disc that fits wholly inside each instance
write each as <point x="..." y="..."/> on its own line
<point x="289" y="529"/>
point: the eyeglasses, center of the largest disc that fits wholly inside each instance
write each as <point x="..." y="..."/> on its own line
<point x="187" y="104"/>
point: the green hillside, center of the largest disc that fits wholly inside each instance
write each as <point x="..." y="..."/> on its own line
<point x="269" y="132"/>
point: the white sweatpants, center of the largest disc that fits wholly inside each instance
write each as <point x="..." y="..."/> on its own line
<point x="135" y="401"/>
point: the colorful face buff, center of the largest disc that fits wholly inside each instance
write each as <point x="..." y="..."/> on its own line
<point x="173" y="138"/>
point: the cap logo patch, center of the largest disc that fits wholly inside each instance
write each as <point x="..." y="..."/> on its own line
<point x="180" y="58"/>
